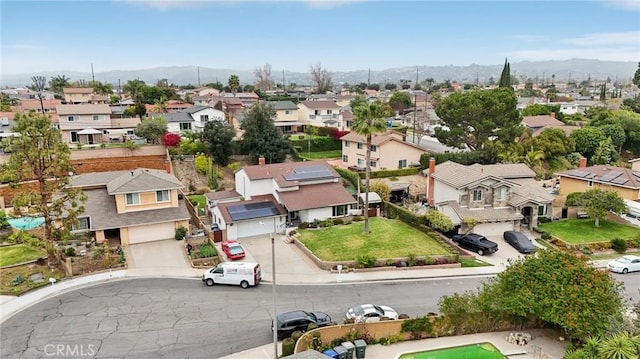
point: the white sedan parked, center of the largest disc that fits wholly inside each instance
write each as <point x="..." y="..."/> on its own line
<point x="625" y="264"/>
<point x="371" y="313"/>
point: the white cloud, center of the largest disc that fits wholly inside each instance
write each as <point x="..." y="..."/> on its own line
<point x="600" y="53"/>
<point x="607" y="38"/>
<point x="623" y="4"/>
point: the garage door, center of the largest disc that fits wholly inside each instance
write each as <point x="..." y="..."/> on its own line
<point x="493" y="229"/>
<point x="152" y="232"/>
<point x="253" y="228"/>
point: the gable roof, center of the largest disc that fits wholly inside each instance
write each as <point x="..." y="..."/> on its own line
<point x="380" y="139"/>
<point x="34" y="104"/>
<point x="282" y="105"/>
<point x="485" y="214"/>
<point x="84" y="109"/>
<point x="565" y="128"/>
<point x="224" y="207"/>
<point x="143" y="179"/>
<point x="540" y="121"/>
<point x="178" y="116"/>
<point x="196" y="108"/>
<point x="610" y="175"/>
<point x="280" y="171"/>
<point x="316" y="196"/>
<point x="459" y="176"/>
<point x="316" y="105"/>
<point x="505" y="170"/>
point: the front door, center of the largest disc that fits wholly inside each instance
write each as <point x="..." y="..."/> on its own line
<point x="526" y="213"/>
<point x="90" y="139"/>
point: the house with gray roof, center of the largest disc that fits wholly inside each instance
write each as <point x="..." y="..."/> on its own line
<point x="286" y="116"/>
<point x="500" y="197"/>
<point x="135" y="206"/>
<point x="193" y="118"/>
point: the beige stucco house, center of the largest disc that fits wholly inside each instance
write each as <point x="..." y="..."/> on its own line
<point x="625" y="181"/>
<point x="135" y="206"/>
<point x="286" y="116"/>
<point x="389" y="151"/>
<point x="91" y="123"/>
<point x="74" y="95"/>
<point x="320" y="113"/>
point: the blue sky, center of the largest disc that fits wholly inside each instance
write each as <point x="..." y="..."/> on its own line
<point x="38" y="36"/>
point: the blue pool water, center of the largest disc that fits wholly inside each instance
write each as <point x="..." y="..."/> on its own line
<point x="26" y="223"/>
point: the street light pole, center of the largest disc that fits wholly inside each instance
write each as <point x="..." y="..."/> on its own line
<point x="273" y="265"/>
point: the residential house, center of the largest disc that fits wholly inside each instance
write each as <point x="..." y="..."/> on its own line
<point x="35" y="105"/>
<point x="203" y="100"/>
<point x="625" y="181"/>
<point x="389" y="150"/>
<point x="347" y="117"/>
<point x="6" y="124"/>
<point x="175" y="105"/>
<point x="635" y="164"/>
<point x="541" y="122"/>
<point x="193" y="118"/>
<point x="320" y="114"/>
<point x="268" y="196"/>
<point x="75" y="95"/>
<point x="92" y="124"/>
<point x="501" y="197"/>
<point x="248" y="99"/>
<point x="207" y="91"/>
<point x="286" y="116"/>
<point x="344" y="100"/>
<point x="136" y="206"/>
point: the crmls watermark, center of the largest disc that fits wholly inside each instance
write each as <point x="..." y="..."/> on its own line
<point x="70" y="350"/>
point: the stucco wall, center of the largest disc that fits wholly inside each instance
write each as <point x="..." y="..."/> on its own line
<point x="383" y="329"/>
<point x="570" y="185"/>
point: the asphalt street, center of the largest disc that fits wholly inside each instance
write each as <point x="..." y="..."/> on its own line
<point x="182" y="318"/>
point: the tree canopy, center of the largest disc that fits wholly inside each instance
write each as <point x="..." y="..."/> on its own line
<point x="217" y="135"/>
<point x="261" y="137"/>
<point x="400" y="101"/>
<point x="598" y="203"/>
<point x="587" y="140"/>
<point x="473" y="118"/>
<point x="321" y="78"/>
<point x="151" y="129"/>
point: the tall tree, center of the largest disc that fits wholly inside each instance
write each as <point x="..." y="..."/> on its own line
<point x="101" y="88"/>
<point x="234" y="84"/>
<point x="321" y="78"/>
<point x="505" y="77"/>
<point x="58" y="83"/>
<point x="474" y="117"/>
<point x="135" y="88"/>
<point x="38" y="85"/>
<point x="261" y="136"/>
<point x="217" y="135"/>
<point x="264" y="82"/>
<point x="587" y="140"/>
<point x="400" y="101"/>
<point x="368" y="119"/>
<point x="39" y="154"/>
<point x="636" y="76"/>
<point x="598" y="203"/>
<point x="151" y="129"/>
<point x="605" y="153"/>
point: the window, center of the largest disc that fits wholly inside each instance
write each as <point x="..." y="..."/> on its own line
<point x="162" y="196"/>
<point x="97" y="117"/>
<point x="204" y="118"/>
<point x="373" y="164"/>
<point x="340" y="210"/>
<point x="374" y="148"/>
<point x="73" y="118"/>
<point x="590" y="183"/>
<point x="501" y="194"/>
<point x="317" y="112"/>
<point x="402" y="163"/>
<point x="133" y="198"/>
<point x="329" y="112"/>
<point x="360" y="162"/>
<point x="346" y="143"/>
<point x="84" y="223"/>
<point x="542" y="210"/>
<point x="287" y="112"/>
<point x="477" y="195"/>
<point x="345" y="158"/>
<point x="360" y="146"/>
<point x="74" y="136"/>
<point x="185" y="125"/>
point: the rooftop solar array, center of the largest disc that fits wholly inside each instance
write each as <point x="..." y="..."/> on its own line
<point x="610" y="176"/>
<point x="241" y="212"/>
<point x="620" y="180"/>
<point x="582" y="174"/>
<point x="308" y="173"/>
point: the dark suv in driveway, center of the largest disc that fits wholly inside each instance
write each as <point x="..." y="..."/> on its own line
<point x="475" y="242"/>
<point x="289" y="322"/>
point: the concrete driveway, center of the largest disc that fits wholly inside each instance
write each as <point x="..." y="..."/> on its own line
<point x="502" y="256"/>
<point x="167" y="253"/>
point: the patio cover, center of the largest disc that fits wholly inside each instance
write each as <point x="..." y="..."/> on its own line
<point x="373" y="197"/>
<point x="89" y="131"/>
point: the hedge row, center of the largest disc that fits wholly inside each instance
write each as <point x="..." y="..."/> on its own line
<point x="350" y="176"/>
<point x="318" y="144"/>
<point x="463" y="158"/>
<point x="409" y="171"/>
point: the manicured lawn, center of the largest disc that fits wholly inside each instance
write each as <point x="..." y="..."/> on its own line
<point x="201" y="200"/>
<point x="614" y="255"/>
<point x="471" y="262"/>
<point x="577" y="231"/>
<point x="320" y="155"/>
<point x="387" y="238"/>
<point x="19" y="253"/>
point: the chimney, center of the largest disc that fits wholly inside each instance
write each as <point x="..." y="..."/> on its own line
<point x="432" y="169"/>
<point x="552" y="114"/>
<point x="261" y="161"/>
<point x="583" y="162"/>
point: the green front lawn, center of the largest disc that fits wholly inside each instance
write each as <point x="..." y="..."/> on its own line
<point x="19" y="253"/>
<point x="320" y="155"/>
<point x="200" y="200"/>
<point x="576" y="231"/>
<point x="387" y="238"/>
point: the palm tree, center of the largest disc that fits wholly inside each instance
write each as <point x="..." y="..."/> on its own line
<point x="619" y="346"/>
<point x="234" y="84"/>
<point x="533" y="158"/>
<point x="58" y="83"/>
<point x="161" y="105"/>
<point x="369" y="120"/>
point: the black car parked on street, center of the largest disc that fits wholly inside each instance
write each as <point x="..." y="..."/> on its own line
<point x="290" y="322"/>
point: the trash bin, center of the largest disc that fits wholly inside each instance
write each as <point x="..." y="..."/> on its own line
<point x="361" y="347"/>
<point x="350" y="349"/>
<point x="341" y="351"/>
<point x="330" y="353"/>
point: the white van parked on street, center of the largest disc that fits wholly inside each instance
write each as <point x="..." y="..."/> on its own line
<point x="234" y="273"/>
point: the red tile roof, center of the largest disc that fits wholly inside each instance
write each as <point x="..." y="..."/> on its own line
<point x="27" y="105"/>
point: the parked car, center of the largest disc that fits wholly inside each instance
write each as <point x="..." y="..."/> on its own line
<point x="290" y="322"/>
<point x="519" y="241"/>
<point x="371" y="313"/>
<point x="233" y="250"/>
<point x="625" y="264"/>
<point x="475" y="242"/>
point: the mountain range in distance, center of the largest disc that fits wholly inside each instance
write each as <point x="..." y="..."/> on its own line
<point x="559" y="71"/>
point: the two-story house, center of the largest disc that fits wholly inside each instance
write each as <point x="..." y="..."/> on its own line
<point x="136" y="206"/>
<point x="75" y="95"/>
<point x="267" y="197"/>
<point x="389" y="151"/>
<point x="35" y="105"/>
<point x="91" y="124"/>
<point x="320" y="113"/>
<point x="286" y="116"/>
<point x="501" y="197"/>
<point x="193" y="118"/>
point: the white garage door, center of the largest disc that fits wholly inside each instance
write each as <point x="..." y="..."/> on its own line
<point x="152" y="232"/>
<point x="253" y="228"/>
<point x="493" y="229"/>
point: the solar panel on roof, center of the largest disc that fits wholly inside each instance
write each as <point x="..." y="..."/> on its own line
<point x="578" y="173"/>
<point x="308" y="173"/>
<point x="611" y="175"/>
<point x="241" y="212"/>
<point x="590" y="175"/>
<point x="620" y="180"/>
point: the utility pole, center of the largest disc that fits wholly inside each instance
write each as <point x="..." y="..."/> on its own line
<point x="284" y="88"/>
<point x="477" y="79"/>
<point x="198" y="76"/>
<point x="369" y="78"/>
<point x="543" y="74"/>
<point x="93" y="77"/>
<point x="415" y="98"/>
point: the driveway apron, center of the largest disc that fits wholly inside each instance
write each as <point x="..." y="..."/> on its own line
<point x="167" y="253"/>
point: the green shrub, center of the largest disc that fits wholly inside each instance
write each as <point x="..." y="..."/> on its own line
<point x="296" y="335"/>
<point x="201" y="163"/>
<point x="17" y="280"/>
<point x="180" y="233"/>
<point x="312" y="326"/>
<point x="288" y="345"/>
<point x="303" y="225"/>
<point x="464" y="158"/>
<point x="412" y="260"/>
<point x="70" y="252"/>
<point x="366" y="261"/>
<point x="544" y="220"/>
<point x="99" y="252"/>
<point x="619" y="245"/>
<point x="234" y="166"/>
<point x="349" y="175"/>
<point x="338" y="221"/>
<point x="418" y="327"/>
<point x="207" y="250"/>
<point x="358" y="218"/>
<point x="326" y="223"/>
<point x="391" y="173"/>
<point x="546" y="236"/>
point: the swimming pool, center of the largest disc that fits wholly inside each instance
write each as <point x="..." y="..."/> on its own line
<point x="26" y="223"/>
<point x="471" y="351"/>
